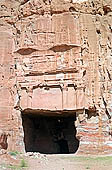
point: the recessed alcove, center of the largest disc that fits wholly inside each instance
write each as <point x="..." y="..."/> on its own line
<point x="54" y="134"/>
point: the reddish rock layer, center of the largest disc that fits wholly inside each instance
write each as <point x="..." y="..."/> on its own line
<point x="56" y="59"/>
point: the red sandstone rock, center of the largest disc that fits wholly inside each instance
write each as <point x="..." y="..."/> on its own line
<point x="3" y="140"/>
<point x="56" y="59"/>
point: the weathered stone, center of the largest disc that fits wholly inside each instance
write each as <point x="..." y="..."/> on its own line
<point x="56" y="61"/>
<point x="3" y="140"/>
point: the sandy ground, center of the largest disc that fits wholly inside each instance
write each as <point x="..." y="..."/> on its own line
<point x="55" y="162"/>
<point x="71" y="162"/>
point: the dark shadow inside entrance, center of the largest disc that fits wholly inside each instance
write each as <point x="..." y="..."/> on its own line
<point x="49" y="135"/>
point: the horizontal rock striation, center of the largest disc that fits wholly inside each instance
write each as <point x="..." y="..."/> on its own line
<point x="56" y="58"/>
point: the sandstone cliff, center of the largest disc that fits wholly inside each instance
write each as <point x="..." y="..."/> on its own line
<point x="56" y="57"/>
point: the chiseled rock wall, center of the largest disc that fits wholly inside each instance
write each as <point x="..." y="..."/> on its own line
<point x="57" y="55"/>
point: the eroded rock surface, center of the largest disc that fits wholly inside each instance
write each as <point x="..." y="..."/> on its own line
<point x="56" y="58"/>
<point x="3" y="140"/>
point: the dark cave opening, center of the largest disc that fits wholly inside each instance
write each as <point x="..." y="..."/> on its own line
<point x="49" y="134"/>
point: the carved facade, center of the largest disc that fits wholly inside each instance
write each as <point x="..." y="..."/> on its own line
<point x="56" y="62"/>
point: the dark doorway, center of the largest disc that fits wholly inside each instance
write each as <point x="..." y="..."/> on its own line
<point x="49" y="134"/>
<point x="63" y="146"/>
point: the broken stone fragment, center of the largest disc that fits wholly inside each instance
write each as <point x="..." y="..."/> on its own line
<point x="3" y="140"/>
